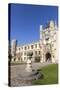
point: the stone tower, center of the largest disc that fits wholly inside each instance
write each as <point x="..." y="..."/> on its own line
<point x="41" y="29"/>
<point x="49" y="41"/>
<point x="13" y="49"/>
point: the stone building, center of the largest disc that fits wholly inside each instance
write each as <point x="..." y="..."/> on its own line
<point x="44" y="50"/>
<point x="13" y="49"/>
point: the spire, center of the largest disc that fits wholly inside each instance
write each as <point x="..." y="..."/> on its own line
<point x="55" y="25"/>
<point x="41" y="28"/>
<point x="51" y="23"/>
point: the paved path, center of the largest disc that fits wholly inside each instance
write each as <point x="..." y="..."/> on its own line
<point x="16" y="70"/>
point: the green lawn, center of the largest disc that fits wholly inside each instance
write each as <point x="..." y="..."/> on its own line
<point x="50" y="73"/>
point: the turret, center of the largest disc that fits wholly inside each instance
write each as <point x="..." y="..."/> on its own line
<point x="41" y="28"/>
<point x="55" y="25"/>
<point x="13" y="49"/>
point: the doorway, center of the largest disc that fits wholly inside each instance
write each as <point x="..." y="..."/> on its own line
<point x="48" y="57"/>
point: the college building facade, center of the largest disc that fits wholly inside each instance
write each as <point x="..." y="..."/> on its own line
<point x="44" y="50"/>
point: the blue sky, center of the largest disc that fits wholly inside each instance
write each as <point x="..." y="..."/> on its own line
<point x="26" y="20"/>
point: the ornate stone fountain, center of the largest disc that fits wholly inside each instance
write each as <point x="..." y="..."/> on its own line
<point x="29" y="66"/>
<point x="29" y="74"/>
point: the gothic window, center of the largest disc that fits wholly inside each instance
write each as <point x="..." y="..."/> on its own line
<point x="19" y="49"/>
<point x="39" y="52"/>
<point x="47" y="44"/>
<point x="47" y="38"/>
<point x="24" y="58"/>
<point x="25" y="47"/>
<point x="35" y="45"/>
<point x="35" y="52"/>
<point x="28" y="47"/>
<point x="31" y="46"/>
<point x="53" y="56"/>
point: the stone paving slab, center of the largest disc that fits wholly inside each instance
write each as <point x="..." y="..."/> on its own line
<point x="19" y="70"/>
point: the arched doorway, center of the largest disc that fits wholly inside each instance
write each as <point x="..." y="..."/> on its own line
<point x="48" y="57"/>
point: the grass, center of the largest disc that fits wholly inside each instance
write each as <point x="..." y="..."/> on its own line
<point x="50" y="73"/>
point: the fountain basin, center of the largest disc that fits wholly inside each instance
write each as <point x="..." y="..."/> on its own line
<point x="34" y="75"/>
